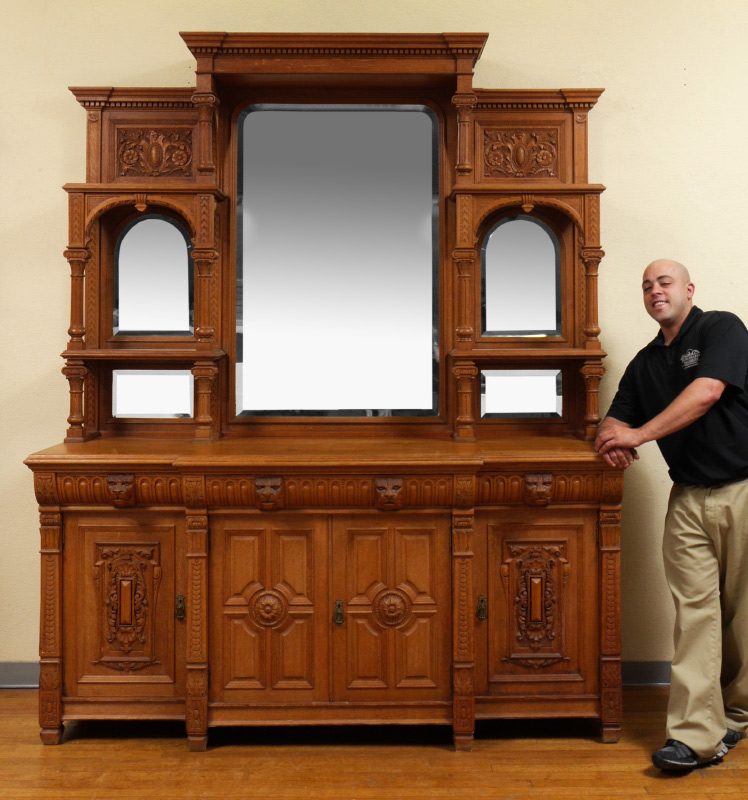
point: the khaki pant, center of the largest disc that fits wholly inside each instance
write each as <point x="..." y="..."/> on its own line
<point x="705" y="549"/>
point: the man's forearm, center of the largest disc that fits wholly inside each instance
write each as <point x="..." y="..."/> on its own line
<point x="691" y="404"/>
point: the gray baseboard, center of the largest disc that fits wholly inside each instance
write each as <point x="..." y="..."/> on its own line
<point x="645" y="673"/>
<point x="19" y="674"/>
<point x="25" y="674"/>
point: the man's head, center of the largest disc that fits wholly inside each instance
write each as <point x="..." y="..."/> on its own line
<point x="668" y="294"/>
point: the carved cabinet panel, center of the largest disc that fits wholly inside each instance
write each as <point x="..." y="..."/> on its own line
<point x="392" y="575"/>
<point x="270" y="604"/>
<point x="540" y="580"/>
<point x="123" y="578"/>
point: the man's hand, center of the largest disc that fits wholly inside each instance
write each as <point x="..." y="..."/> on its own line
<point x="617" y="442"/>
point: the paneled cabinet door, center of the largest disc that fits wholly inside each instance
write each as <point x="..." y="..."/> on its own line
<point x="391" y="587"/>
<point x="539" y="575"/>
<point x="122" y="637"/>
<point x="270" y="611"/>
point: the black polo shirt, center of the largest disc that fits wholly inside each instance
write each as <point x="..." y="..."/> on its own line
<point x="714" y="448"/>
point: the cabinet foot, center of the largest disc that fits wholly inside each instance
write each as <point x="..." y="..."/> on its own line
<point x="51" y="735"/>
<point x="610" y="734"/>
<point x="463" y="742"/>
<point x="197" y="744"/>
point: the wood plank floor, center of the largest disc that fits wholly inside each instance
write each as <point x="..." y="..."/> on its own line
<point x="517" y="760"/>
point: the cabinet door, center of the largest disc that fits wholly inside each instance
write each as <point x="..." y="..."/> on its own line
<point x="538" y="570"/>
<point x="270" y="609"/>
<point x="391" y="574"/>
<point x="121" y="635"/>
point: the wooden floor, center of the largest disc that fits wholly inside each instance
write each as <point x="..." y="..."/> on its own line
<point x="514" y="760"/>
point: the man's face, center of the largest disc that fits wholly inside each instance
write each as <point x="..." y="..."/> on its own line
<point x="668" y="293"/>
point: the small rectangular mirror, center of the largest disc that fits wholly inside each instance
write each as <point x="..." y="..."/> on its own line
<point x="521" y="393"/>
<point x="152" y="393"/>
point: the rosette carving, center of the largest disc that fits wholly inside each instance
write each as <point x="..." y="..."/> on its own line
<point x="268" y="608"/>
<point x="392" y="608"/>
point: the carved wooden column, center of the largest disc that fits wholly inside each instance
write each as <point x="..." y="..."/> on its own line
<point x="205" y="374"/>
<point x="466" y="373"/>
<point x="50" y="627"/>
<point x="591" y="256"/>
<point x="206" y="104"/>
<point x="75" y="371"/>
<point x="465" y="266"/>
<point x="592" y="372"/>
<point x="610" y="631"/>
<point x="196" y="710"/>
<point x="465" y="102"/>
<point x="463" y="620"/>
<point x="205" y="260"/>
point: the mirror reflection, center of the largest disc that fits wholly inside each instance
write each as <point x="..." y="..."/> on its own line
<point x="152" y="393"/>
<point x="521" y="393"/>
<point x="521" y="266"/>
<point x="337" y="287"/>
<point x="153" y="292"/>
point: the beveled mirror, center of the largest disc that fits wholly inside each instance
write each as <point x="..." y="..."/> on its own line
<point x="337" y="267"/>
<point x="521" y="286"/>
<point x="153" y="281"/>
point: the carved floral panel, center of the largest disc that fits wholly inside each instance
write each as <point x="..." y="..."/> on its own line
<point x="154" y="152"/>
<point x="520" y="153"/>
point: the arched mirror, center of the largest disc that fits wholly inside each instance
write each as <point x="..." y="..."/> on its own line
<point x="521" y="279"/>
<point x="153" y="283"/>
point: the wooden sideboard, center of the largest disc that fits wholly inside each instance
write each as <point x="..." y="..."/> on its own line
<point x="226" y="566"/>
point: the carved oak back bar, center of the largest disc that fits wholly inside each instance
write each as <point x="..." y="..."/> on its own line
<point x="228" y="561"/>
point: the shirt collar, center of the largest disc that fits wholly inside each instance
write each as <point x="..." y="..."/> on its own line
<point x="688" y="323"/>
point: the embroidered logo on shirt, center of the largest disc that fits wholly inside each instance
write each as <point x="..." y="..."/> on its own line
<point x="690" y="358"/>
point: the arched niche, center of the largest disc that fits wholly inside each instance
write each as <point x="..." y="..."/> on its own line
<point x="153" y="286"/>
<point x="521" y="278"/>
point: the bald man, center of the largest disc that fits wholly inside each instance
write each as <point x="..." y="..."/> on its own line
<point x="687" y="390"/>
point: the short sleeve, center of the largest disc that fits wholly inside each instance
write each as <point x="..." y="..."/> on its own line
<point x="625" y="406"/>
<point x="724" y="350"/>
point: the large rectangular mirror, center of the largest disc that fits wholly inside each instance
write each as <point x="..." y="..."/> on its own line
<point x="337" y="268"/>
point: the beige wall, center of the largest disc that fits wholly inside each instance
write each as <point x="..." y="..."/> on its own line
<point x="667" y="139"/>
